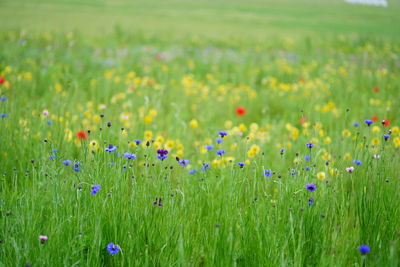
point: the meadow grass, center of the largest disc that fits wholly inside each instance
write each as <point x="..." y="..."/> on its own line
<point x="76" y="77"/>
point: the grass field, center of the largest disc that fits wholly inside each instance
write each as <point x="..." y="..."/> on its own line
<point x="199" y="133"/>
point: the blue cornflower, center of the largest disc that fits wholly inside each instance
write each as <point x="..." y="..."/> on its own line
<point x="281" y="151"/>
<point x="205" y="166"/>
<point x="67" y="162"/>
<point x="386" y="137"/>
<point x="307" y="168"/>
<point x="3" y="99"/>
<point x="209" y="147"/>
<point x="311" y="187"/>
<point x="113" y="248"/>
<point x="110" y="148"/>
<point x="219" y="140"/>
<point x="310" y="201"/>
<point x="184" y="162"/>
<point x="307" y="158"/>
<point x="109" y="124"/>
<point x="162" y="154"/>
<point x="129" y="155"/>
<point x="356" y="124"/>
<point x="138" y="142"/>
<point x="52" y="157"/>
<point x="222" y="133"/>
<point x="369" y="122"/>
<point x="49" y="122"/>
<point x="112" y="163"/>
<point x="192" y="171"/>
<point x="294" y="172"/>
<point x="268" y="173"/>
<point x="241" y="164"/>
<point x="220" y="152"/>
<point x="96" y="188"/>
<point x="364" y="249"/>
<point x="3" y="115"/>
<point x="76" y="166"/>
<point x="357" y="162"/>
<point x="310" y="145"/>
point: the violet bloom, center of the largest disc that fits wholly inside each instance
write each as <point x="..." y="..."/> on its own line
<point x="364" y="249"/>
<point x="268" y="173"/>
<point x="350" y="169"/>
<point x="110" y="148"/>
<point x="209" y="147"/>
<point x="113" y="248"/>
<point x="386" y="137"/>
<point x="310" y="145"/>
<point x="219" y="140"/>
<point x="129" y="155"/>
<point x="241" y="164"/>
<point x="162" y="154"/>
<point x="220" y="152"/>
<point x="184" y="162"/>
<point x="311" y="187"/>
<point x="222" y="133"/>
<point x="368" y="122"/>
<point x="205" y="166"/>
<point x="95" y="189"/>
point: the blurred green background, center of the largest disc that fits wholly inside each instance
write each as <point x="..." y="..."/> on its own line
<point x="214" y="18"/>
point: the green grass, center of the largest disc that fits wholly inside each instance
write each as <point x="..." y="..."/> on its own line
<point x="280" y="60"/>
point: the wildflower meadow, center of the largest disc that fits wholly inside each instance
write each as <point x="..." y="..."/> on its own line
<point x="207" y="133"/>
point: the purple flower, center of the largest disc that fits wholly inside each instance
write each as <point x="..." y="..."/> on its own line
<point x="311" y="187"/>
<point x="357" y="162"/>
<point x="129" y="155"/>
<point x="386" y="137"/>
<point x="3" y="99"/>
<point x="310" y="201"/>
<point x="307" y="158"/>
<point x="3" y="115"/>
<point x="268" y="173"/>
<point x="222" y="133"/>
<point x="110" y="148"/>
<point x="219" y="140"/>
<point x="307" y="168"/>
<point x="138" y="142"/>
<point x="76" y="166"/>
<point x="209" y="147"/>
<point x="184" y="162"/>
<point x="281" y="151"/>
<point x="113" y="248"/>
<point x="220" y="152"/>
<point x="95" y="189"/>
<point x="356" y="124"/>
<point x="162" y="154"/>
<point x="369" y="122"/>
<point x="52" y="157"/>
<point x="67" y="162"/>
<point x="364" y="249"/>
<point x="109" y="124"/>
<point x="49" y="122"/>
<point x="205" y="166"/>
<point x="241" y="164"/>
<point x="192" y="171"/>
<point x="310" y="145"/>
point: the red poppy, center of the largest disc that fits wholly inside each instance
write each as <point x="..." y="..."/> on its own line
<point x="81" y="135"/>
<point x="240" y="111"/>
<point x="374" y="118"/>
<point x="2" y="80"/>
<point x="385" y="123"/>
<point x="302" y="119"/>
<point x="376" y="89"/>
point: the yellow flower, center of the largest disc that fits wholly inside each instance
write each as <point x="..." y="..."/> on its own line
<point x="396" y="142"/>
<point x="375" y="141"/>
<point x="376" y="129"/>
<point x="169" y="144"/>
<point x="152" y="112"/>
<point x="395" y="130"/>
<point x="326" y="156"/>
<point x="194" y="124"/>
<point x="321" y="176"/>
<point x="347" y="156"/>
<point x="148" y="119"/>
<point x="251" y="154"/>
<point x="96" y="118"/>
<point x="228" y="124"/>
<point x="242" y="128"/>
<point x="93" y="145"/>
<point x="148" y="135"/>
<point x="346" y="133"/>
<point x="255" y="149"/>
<point x="327" y="140"/>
